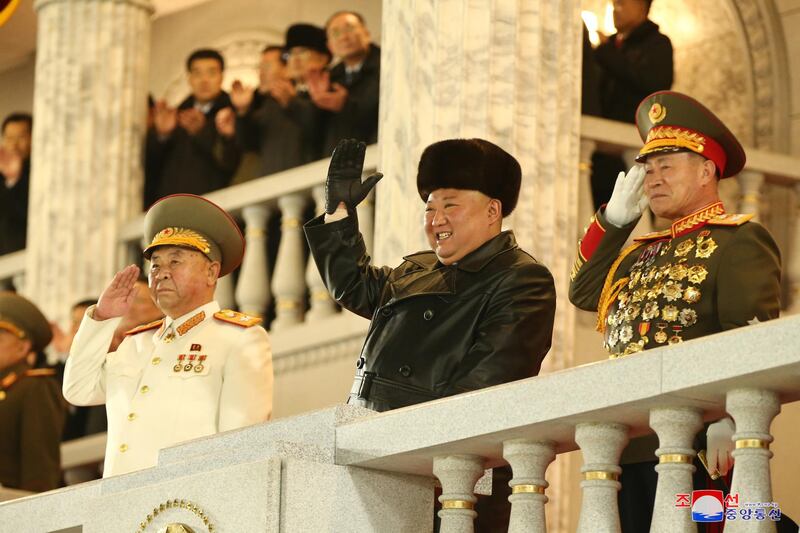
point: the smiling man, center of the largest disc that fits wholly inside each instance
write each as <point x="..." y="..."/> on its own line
<point x="196" y="372"/>
<point x="711" y="271"/>
<point x="473" y="311"/>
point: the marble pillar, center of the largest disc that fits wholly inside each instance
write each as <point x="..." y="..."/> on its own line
<point x="508" y="71"/>
<point x="601" y="445"/>
<point x="676" y="428"/>
<point x="753" y="411"/>
<point x="529" y="460"/>
<point x="89" y="106"/>
<point x="458" y="475"/>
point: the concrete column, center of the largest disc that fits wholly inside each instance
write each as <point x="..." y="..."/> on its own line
<point x="793" y="260"/>
<point x="676" y="429"/>
<point x="601" y="445"/>
<point x="289" y="280"/>
<point x="90" y="99"/>
<point x="458" y="475"/>
<point x="529" y="461"/>
<point x="753" y="411"/>
<point x="585" y="202"/>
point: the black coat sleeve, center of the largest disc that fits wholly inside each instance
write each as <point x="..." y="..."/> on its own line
<point x="515" y="333"/>
<point x="341" y="257"/>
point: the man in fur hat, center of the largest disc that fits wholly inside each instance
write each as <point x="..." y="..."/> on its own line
<point x="478" y="308"/>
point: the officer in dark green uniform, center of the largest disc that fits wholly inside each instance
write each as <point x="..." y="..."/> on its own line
<point x="709" y="272"/>
<point x="31" y="408"/>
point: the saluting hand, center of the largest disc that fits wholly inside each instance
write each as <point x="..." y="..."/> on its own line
<point x="628" y="199"/>
<point x="344" y="184"/>
<point x="119" y="295"/>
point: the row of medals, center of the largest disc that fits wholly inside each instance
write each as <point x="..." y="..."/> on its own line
<point x="647" y="283"/>
<point x="186" y="363"/>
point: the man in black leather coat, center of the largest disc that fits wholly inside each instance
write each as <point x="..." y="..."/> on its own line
<point x="473" y="311"/>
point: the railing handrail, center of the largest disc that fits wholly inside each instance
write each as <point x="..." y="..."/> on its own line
<point x="263" y="190"/>
<point x="610" y="133"/>
<point x="548" y="407"/>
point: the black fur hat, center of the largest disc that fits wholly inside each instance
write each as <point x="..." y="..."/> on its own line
<point x="308" y="36"/>
<point x="473" y="164"/>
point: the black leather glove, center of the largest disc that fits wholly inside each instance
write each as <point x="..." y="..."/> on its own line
<point x="344" y="176"/>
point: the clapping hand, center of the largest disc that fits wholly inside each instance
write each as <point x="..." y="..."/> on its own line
<point x="241" y="97"/>
<point x="343" y="184"/>
<point x="119" y="295"/>
<point x="225" y="122"/>
<point x="165" y="118"/>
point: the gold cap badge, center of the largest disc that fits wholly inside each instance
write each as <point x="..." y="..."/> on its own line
<point x="180" y="237"/>
<point x="657" y="113"/>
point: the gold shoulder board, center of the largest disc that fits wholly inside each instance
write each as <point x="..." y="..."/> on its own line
<point x="234" y="317"/>
<point x="39" y="372"/>
<point x="730" y="219"/>
<point x="145" y="327"/>
<point x="653" y="235"/>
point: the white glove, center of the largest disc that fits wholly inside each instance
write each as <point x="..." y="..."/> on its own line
<point x="719" y="444"/>
<point x="628" y="199"/>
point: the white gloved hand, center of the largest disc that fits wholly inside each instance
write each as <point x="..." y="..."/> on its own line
<point x="628" y="199"/>
<point x="719" y="444"/>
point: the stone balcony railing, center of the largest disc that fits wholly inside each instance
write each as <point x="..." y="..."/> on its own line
<point x="346" y="469"/>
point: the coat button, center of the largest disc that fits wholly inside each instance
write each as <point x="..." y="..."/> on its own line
<point x="145" y="389"/>
<point x="386" y="311"/>
<point x="360" y="363"/>
<point x="156" y="360"/>
<point x="405" y="371"/>
<point x="131" y="416"/>
<point x="123" y="448"/>
<point x="428" y="314"/>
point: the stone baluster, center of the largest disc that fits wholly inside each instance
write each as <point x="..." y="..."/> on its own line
<point x="676" y="429"/>
<point x="458" y="475"/>
<point x="288" y="281"/>
<point x="585" y="202"/>
<point x="750" y="184"/>
<point x="529" y="460"/>
<point x="366" y="219"/>
<point x="601" y="445"/>
<point x="224" y="293"/>
<point x="322" y="305"/>
<point x="753" y="411"/>
<point x="252" y="290"/>
<point x="793" y="260"/>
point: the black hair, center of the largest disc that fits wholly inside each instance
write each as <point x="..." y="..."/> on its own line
<point x="205" y="53"/>
<point x="346" y="12"/>
<point x="17" y="117"/>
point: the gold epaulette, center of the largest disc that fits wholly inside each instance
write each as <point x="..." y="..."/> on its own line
<point x="234" y="317"/>
<point x="730" y="219"/>
<point x="39" y="372"/>
<point x="653" y="235"/>
<point x="145" y="327"/>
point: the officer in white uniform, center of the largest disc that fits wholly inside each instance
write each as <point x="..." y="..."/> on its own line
<point x="196" y="372"/>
